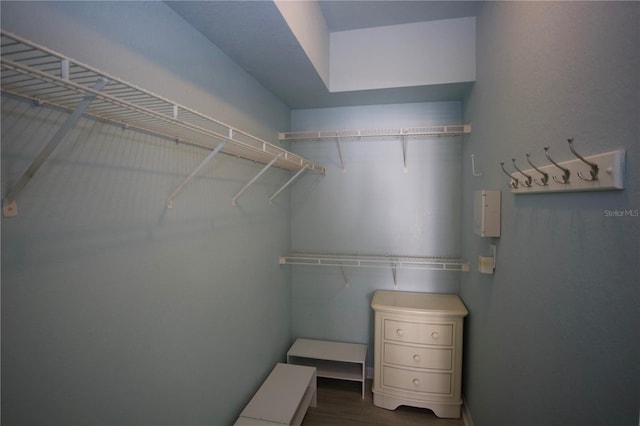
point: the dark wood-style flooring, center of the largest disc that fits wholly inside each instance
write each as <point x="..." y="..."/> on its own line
<point x="340" y="404"/>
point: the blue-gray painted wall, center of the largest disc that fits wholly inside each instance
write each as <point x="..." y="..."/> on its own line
<point x="552" y="337"/>
<point x="372" y="207"/>
<point x="116" y="311"/>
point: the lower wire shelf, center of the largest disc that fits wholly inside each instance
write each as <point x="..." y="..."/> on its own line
<point x="377" y="261"/>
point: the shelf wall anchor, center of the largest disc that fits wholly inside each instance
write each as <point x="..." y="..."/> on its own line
<point x="9" y="206"/>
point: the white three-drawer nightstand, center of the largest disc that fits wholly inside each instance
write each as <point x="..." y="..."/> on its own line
<point x="418" y="351"/>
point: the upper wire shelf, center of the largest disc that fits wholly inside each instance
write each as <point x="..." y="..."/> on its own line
<point x="450" y="130"/>
<point x="35" y="72"/>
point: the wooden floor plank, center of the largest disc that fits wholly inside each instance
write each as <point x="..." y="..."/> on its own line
<point x="340" y="404"/>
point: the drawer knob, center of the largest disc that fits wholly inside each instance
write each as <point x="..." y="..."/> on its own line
<point x="416" y="357"/>
<point x="399" y="332"/>
<point x="416" y="382"/>
<point x="435" y="335"/>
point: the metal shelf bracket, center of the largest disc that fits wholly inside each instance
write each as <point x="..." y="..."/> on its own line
<point x="287" y="183"/>
<point x="44" y="76"/>
<point x="9" y="206"/>
<point x="255" y="178"/>
<point x="340" y="155"/>
<point x="194" y="173"/>
<point x="404" y="153"/>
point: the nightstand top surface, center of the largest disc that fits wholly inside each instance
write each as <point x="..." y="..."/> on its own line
<point x="420" y="303"/>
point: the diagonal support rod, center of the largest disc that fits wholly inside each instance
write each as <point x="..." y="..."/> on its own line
<point x="340" y="155"/>
<point x="194" y="173"/>
<point x="344" y="276"/>
<point x="9" y="206"/>
<point x="255" y="178"/>
<point x="294" y="177"/>
<point x="405" y="147"/>
<point x="394" y="271"/>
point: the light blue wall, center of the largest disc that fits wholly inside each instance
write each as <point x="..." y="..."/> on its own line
<point x="372" y="208"/>
<point x="115" y="310"/>
<point x="552" y="338"/>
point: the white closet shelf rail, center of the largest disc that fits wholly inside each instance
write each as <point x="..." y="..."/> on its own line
<point x="449" y="130"/>
<point x="404" y="133"/>
<point x="374" y="261"/>
<point x="35" y="72"/>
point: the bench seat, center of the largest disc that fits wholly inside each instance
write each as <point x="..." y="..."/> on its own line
<point x="283" y="398"/>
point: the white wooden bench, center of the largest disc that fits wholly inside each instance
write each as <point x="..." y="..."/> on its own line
<point x="336" y="360"/>
<point x="283" y="398"/>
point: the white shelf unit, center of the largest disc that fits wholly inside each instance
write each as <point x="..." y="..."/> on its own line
<point x="394" y="262"/>
<point x="334" y="360"/>
<point x="385" y="261"/>
<point x="35" y="72"/>
<point x="404" y="133"/>
<point x="365" y="134"/>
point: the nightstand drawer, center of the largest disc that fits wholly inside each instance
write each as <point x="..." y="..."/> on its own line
<point x="412" y="332"/>
<point x="416" y="381"/>
<point x="437" y="359"/>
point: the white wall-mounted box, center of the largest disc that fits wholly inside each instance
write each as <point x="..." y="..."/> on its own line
<point x="486" y="213"/>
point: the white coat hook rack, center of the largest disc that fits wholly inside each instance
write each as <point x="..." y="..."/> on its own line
<point x="545" y="176"/>
<point x="513" y="181"/>
<point x="528" y="179"/>
<point x="600" y="172"/>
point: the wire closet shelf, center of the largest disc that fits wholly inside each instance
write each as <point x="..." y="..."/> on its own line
<point x="35" y="72"/>
<point x="377" y="261"/>
<point x="366" y="134"/>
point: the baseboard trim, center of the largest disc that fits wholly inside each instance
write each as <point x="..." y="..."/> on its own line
<point x="466" y="414"/>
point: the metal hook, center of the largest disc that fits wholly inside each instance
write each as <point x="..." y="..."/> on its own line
<point x="514" y="181"/>
<point x="527" y="181"/>
<point x="565" y="172"/>
<point x="545" y="175"/>
<point x="594" y="167"/>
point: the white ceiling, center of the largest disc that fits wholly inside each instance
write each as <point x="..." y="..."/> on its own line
<point x="255" y="35"/>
